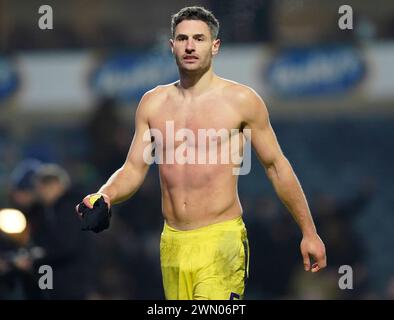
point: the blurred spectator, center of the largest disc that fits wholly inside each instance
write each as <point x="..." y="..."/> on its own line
<point x="57" y="230"/>
<point x="17" y="279"/>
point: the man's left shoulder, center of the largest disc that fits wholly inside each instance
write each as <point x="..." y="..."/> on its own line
<point x="239" y="93"/>
<point x="245" y="101"/>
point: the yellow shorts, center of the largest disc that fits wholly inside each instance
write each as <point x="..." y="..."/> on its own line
<point x="208" y="263"/>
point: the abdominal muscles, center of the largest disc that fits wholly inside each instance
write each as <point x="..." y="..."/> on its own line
<point x="195" y="195"/>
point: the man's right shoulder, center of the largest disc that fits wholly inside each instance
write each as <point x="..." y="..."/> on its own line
<point x="153" y="99"/>
<point x="158" y="94"/>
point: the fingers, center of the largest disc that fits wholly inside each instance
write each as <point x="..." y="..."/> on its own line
<point x="307" y="260"/>
<point x="90" y="199"/>
<point x="314" y="247"/>
<point x="320" y="264"/>
<point x="87" y="202"/>
<point x="315" y="267"/>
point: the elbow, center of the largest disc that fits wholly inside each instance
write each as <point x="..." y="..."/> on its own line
<point x="271" y="171"/>
<point x="278" y="168"/>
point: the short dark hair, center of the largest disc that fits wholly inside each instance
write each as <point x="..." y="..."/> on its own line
<point x="196" y="13"/>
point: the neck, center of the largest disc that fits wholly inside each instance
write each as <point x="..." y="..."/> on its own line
<point x="195" y="83"/>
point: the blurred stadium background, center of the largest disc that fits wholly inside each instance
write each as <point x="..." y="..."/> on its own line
<point x="68" y="96"/>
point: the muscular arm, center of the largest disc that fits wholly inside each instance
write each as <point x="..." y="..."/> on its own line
<point x="282" y="176"/>
<point x="278" y="168"/>
<point x="126" y="180"/>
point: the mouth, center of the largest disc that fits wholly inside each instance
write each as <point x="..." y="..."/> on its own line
<point x="190" y="58"/>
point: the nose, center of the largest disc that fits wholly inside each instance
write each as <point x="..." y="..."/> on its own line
<point x="190" y="46"/>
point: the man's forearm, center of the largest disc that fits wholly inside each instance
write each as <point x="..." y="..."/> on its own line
<point x="123" y="183"/>
<point x="291" y="194"/>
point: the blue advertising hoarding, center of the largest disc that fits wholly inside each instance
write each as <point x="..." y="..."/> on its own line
<point x="316" y="71"/>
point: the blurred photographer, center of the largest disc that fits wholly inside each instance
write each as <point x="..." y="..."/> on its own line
<point x="59" y="233"/>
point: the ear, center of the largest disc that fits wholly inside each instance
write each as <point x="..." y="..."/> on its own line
<point x="215" y="47"/>
<point x="171" y="42"/>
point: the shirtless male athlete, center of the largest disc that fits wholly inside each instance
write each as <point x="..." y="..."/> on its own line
<point x="204" y="248"/>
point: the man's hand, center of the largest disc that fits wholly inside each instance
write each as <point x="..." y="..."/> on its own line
<point x="313" y="246"/>
<point x="90" y="199"/>
<point x="95" y="212"/>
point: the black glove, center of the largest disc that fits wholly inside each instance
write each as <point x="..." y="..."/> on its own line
<point x="96" y="219"/>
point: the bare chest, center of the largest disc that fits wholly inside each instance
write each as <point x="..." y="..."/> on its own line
<point x="189" y="121"/>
